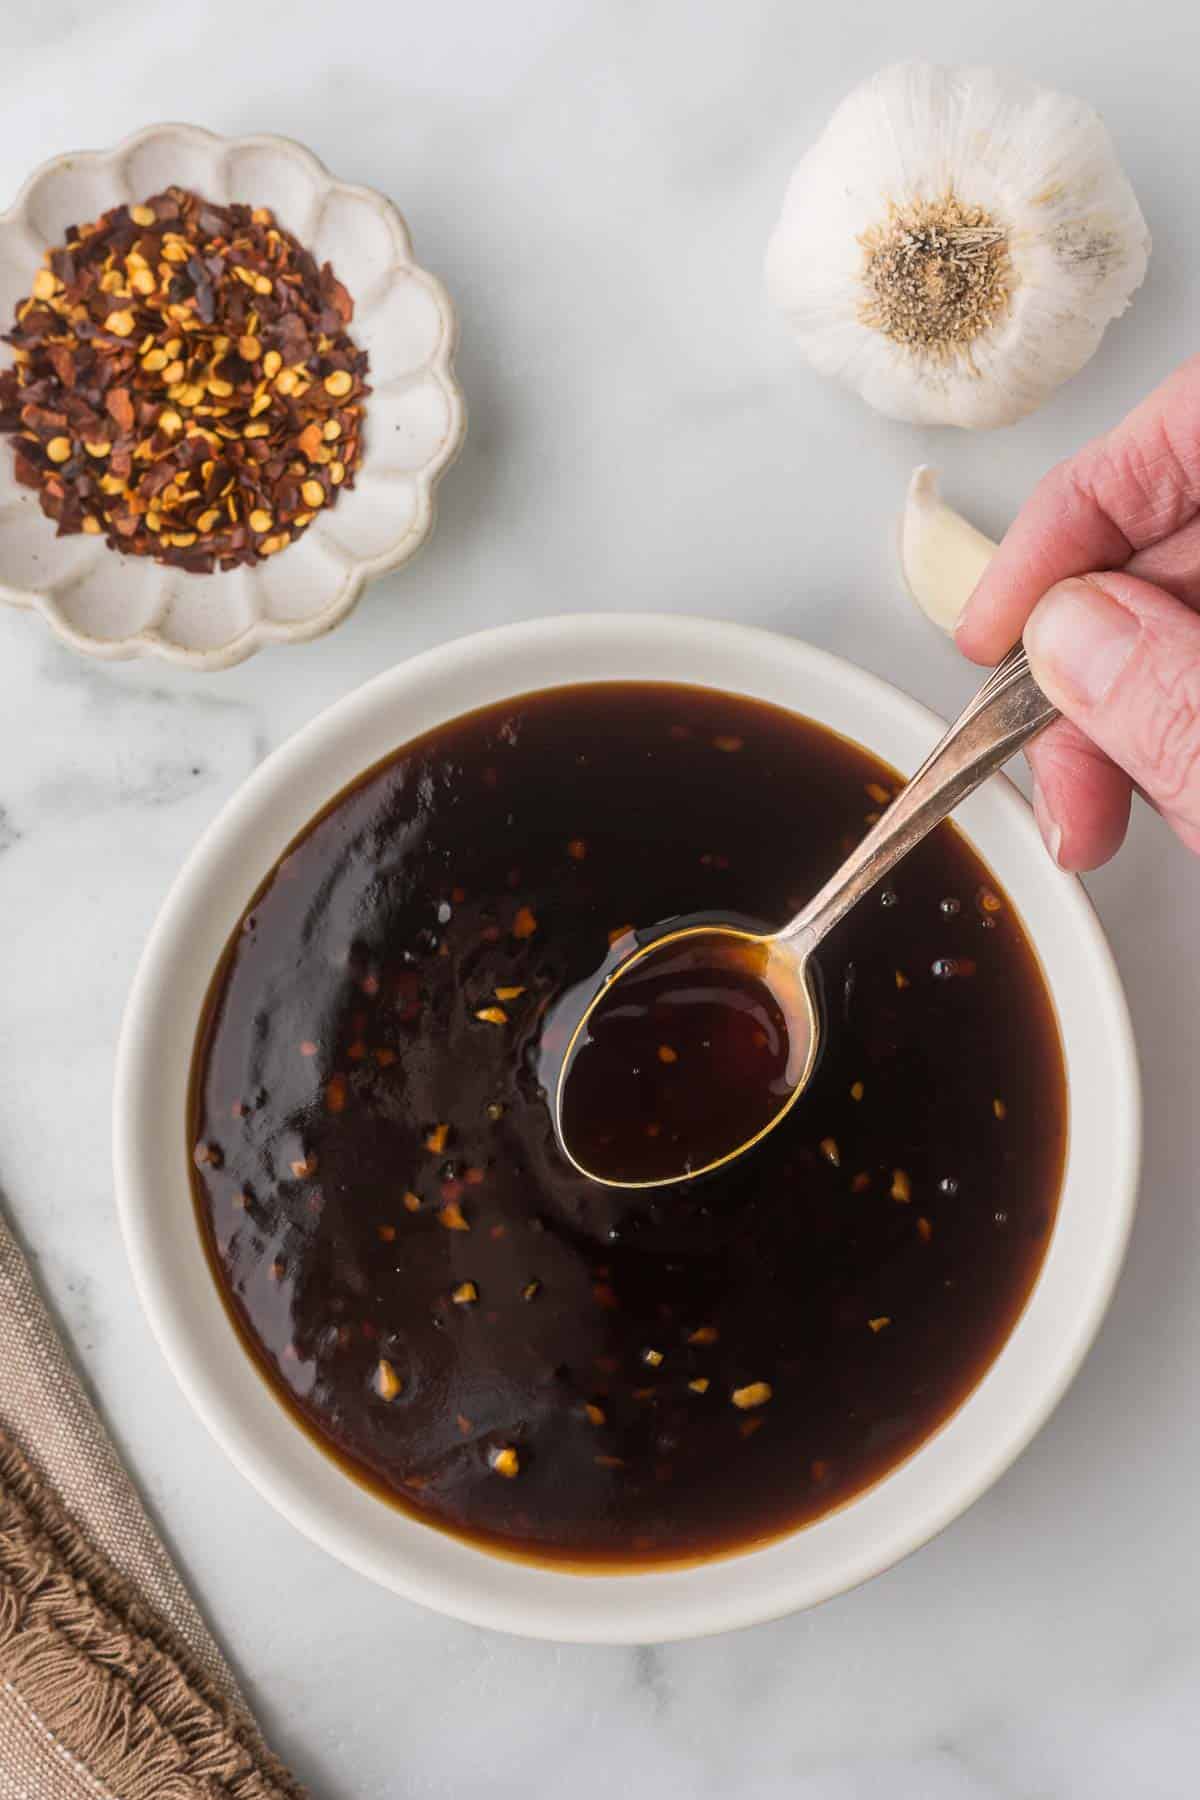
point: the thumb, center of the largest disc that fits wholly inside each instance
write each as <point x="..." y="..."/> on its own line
<point x="1121" y="659"/>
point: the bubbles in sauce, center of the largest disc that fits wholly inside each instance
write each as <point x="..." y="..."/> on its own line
<point x="684" y="1059"/>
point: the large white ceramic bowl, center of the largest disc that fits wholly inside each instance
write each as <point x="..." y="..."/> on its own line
<point x="109" y="605"/>
<point x="921" y="1496"/>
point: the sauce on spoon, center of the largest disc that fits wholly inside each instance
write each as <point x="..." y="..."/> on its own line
<point x="694" y="1051"/>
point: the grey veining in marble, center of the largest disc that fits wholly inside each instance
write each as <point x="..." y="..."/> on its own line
<point x="595" y="182"/>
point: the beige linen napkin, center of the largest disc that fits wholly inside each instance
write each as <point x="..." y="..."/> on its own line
<point x="111" y="1686"/>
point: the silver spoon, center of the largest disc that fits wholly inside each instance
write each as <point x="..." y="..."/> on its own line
<point x="1005" y="714"/>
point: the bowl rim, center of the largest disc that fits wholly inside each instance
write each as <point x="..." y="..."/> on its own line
<point x="943" y="1477"/>
<point x="357" y="571"/>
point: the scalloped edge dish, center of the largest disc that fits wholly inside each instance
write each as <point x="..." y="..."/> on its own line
<point x="107" y="605"/>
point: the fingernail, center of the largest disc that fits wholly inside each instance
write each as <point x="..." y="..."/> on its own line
<point x="1048" y="825"/>
<point x="1078" y="641"/>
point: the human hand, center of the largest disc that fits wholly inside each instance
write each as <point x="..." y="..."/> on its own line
<point x="1117" y="651"/>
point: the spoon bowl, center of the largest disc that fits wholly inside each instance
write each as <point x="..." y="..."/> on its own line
<point x="693" y="1048"/>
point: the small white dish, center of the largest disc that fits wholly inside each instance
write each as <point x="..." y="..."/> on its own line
<point x="108" y="605"/>
<point x="882" y="1524"/>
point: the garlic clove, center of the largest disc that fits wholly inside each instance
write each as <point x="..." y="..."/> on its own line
<point x="942" y="555"/>
<point x="955" y="243"/>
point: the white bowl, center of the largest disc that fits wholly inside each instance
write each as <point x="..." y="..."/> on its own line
<point x="883" y="1524"/>
<point x="109" y="605"/>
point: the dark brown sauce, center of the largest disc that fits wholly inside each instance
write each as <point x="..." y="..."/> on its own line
<point x="523" y="1356"/>
<point x="686" y="1057"/>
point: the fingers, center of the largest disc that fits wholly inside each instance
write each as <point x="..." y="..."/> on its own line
<point x="1080" y="797"/>
<point x="1124" y="493"/>
<point x="1173" y="565"/>
<point x="1121" y="660"/>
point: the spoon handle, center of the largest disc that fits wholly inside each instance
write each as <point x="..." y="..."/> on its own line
<point x="1008" y="710"/>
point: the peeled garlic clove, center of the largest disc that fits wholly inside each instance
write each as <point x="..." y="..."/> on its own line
<point x="955" y="243"/>
<point x="942" y="555"/>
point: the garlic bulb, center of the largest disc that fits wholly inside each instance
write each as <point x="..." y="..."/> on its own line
<point x="942" y="555"/>
<point x="955" y="243"/>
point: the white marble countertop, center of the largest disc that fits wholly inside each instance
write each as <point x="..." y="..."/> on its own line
<point x="595" y="183"/>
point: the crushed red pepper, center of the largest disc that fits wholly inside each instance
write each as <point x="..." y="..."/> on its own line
<point x="184" y="383"/>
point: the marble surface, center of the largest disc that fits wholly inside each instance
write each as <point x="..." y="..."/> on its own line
<point x="595" y="183"/>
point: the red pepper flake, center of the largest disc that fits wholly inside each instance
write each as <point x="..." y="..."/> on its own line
<point x="728" y="743"/>
<point x="496" y="1232"/>
<point x="861" y="1182"/>
<point x="387" y="1383"/>
<point x="748" y="1427"/>
<point x="335" y="1094"/>
<point x="370" y="985"/>
<point x="412" y="1202"/>
<point x="387" y="1233"/>
<point x="577" y="849"/>
<point x="609" y="1462"/>
<point x="524" y="922"/>
<point x="755" y="1393"/>
<point x="305" y="1166"/>
<point x="436" y="1139"/>
<point x="606" y="1297"/>
<point x="924" y="1230"/>
<point x="184" y="383"/>
<point x="474" y="1176"/>
<point x="308" y="1048"/>
<point x="458" y="895"/>
<point x="385" y="1058"/>
<point x="704" y="1334"/>
<point x="356" y="1052"/>
<point x="464" y="1424"/>
<point x="453" y="1217"/>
